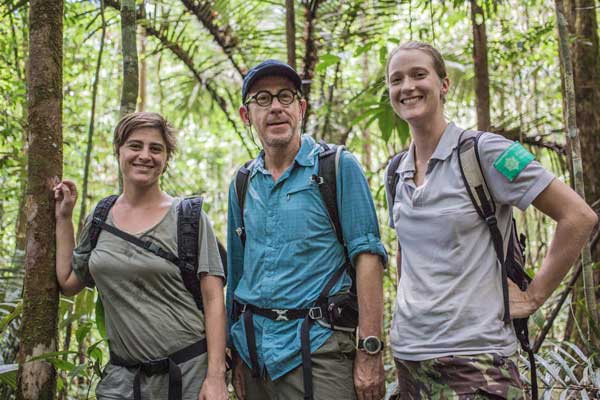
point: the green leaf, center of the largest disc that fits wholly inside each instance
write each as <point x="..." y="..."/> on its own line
<point x="403" y="130"/>
<point x="50" y="355"/>
<point x="100" y="317"/>
<point x="551" y="369"/>
<point x="8" y="374"/>
<point x="538" y="318"/>
<point x="7" y="319"/>
<point x="326" y="61"/>
<point x="80" y="370"/>
<point x="363" y="49"/>
<point x="94" y="351"/>
<point x="82" y="331"/>
<point x="386" y="123"/>
<point x="62" y="365"/>
<point x="383" y="53"/>
<point x="565" y="366"/>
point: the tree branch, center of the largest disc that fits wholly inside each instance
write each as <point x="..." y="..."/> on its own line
<point x="223" y="36"/>
<point x="187" y="60"/>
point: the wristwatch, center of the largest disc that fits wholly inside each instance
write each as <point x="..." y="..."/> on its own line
<point x="371" y="345"/>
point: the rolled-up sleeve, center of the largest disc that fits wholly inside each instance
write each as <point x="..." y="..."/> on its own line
<point x="360" y="227"/>
<point x="82" y="253"/>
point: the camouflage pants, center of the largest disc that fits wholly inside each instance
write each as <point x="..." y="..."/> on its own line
<point x="482" y="376"/>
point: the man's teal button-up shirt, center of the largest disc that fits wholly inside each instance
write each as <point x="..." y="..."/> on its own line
<point x="291" y="250"/>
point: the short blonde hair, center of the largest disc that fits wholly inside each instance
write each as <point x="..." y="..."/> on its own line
<point x="437" y="60"/>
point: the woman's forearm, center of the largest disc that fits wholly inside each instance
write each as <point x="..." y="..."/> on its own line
<point x="65" y="243"/>
<point x="214" y="314"/>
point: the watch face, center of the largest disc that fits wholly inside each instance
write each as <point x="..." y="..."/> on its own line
<point x="372" y="344"/>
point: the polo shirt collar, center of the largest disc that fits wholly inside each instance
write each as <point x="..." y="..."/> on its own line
<point x="305" y="157"/>
<point x="447" y="143"/>
<point x="444" y="149"/>
<point x="407" y="169"/>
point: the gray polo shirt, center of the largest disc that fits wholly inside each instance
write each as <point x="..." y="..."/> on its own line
<point x="449" y="299"/>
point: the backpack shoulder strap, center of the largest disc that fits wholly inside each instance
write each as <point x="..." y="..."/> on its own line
<point x="481" y="197"/>
<point x="472" y="174"/>
<point x="100" y="214"/>
<point x="189" y="212"/>
<point x="391" y="183"/>
<point x="242" y="177"/>
<point x="329" y="160"/>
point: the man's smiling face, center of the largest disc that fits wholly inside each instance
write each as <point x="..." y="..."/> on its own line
<point x="277" y="125"/>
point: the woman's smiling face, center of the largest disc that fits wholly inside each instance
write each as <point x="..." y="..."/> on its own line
<point x="416" y="91"/>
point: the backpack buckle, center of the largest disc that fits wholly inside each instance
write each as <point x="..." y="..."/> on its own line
<point x="153" y="248"/>
<point x="281" y="314"/>
<point x="188" y="267"/>
<point x="491" y="220"/>
<point x="316" y="179"/>
<point x="315" y="313"/>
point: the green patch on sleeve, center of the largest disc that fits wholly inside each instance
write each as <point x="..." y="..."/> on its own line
<point x="513" y="160"/>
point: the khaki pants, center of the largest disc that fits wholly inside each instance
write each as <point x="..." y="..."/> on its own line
<point x="332" y="372"/>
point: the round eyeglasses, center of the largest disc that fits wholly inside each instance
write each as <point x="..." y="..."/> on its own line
<point x="264" y="98"/>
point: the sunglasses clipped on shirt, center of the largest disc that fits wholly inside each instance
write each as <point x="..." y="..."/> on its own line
<point x="264" y="98"/>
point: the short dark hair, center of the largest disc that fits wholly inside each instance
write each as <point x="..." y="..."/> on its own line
<point x="136" y="120"/>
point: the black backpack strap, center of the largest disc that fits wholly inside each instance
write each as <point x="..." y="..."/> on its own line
<point x="100" y="214"/>
<point x="481" y="197"/>
<point x="189" y="213"/>
<point x="187" y="240"/>
<point x="483" y="201"/>
<point x="327" y="179"/>
<point x="391" y="183"/>
<point x="308" y="322"/>
<point x="242" y="178"/>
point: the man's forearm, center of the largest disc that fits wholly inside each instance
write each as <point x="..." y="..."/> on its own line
<point x="369" y="284"/>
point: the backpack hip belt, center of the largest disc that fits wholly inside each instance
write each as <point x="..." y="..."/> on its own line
<point x="321" y="310"/>
<point x="168" y="365"/>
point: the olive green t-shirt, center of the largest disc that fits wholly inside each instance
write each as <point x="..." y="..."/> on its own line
<point x="149" y="314"/>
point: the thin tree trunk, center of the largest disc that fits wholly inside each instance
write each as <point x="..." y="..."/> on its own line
<point x="90" y="137"/>
<point x="575" y="147"/>
<point x="480" y="64"/>
<point x="586" y="74"/>
<point x="310" y="53"/>
<point x="143" y="72"/>
<point x="290" y="29"/>
<point x="129" y="91"/>
<point x="36" y="380"/>
<point x="10" y="349"/>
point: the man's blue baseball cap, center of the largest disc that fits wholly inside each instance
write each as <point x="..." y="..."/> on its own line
<point x="270" y="68"/>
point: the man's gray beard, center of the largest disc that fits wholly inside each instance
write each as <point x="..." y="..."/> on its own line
<point x="281" y="142"/>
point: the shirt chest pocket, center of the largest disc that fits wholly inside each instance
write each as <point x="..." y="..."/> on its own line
<point x="303" y="214"/>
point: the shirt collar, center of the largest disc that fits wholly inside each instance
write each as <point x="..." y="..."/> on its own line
<point x="447" y="143"/>
<point x="445" y="147"/>
<point x="406" y="169"/>
<point x="305" y="157"/>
